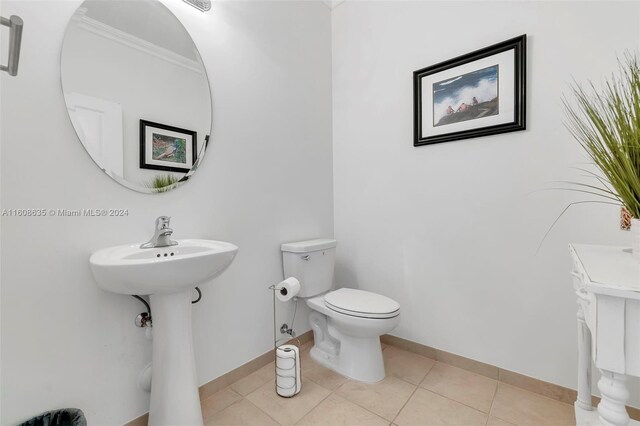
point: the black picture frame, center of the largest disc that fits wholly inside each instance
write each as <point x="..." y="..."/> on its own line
<point x="191" y="141"/>
<point x="519" y="46"/>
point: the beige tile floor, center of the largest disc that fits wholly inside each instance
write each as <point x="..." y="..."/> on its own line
<point x="416" y="391"/>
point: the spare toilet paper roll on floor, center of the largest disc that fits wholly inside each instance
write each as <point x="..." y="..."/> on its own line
<point x="288" y="381"/>
<point x="287" y="289"/>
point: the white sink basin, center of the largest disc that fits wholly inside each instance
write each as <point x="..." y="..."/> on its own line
<point x="130" y="269"/>
<point x="167" y="275"/>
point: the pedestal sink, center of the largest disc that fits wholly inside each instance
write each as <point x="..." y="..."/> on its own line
<point x="168" y="275"/>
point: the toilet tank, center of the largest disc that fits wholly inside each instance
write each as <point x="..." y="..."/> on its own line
<point x="311" y="262"/>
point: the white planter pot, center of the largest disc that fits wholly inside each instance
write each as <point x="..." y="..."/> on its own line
<point x="635" y="238"/>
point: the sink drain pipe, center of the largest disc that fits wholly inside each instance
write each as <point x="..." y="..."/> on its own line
<point x="144" y="319"/>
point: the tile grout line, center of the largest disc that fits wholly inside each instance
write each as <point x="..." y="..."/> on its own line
<point x="492" y="401"/>
<point x="405" y="404"/>
<point x="460" y="402"/>
<point x="314" y="407"/>
<point x="365" y="408"/>
<point x="225" y="408"/>
<point x="311" y="409"/>
<point x="415" y="390"/>
<point x="445" y="396"/>
<point x="496" y="393"/>
<point x="457" y="402"/>
<point x="262" y="411"/>
<point x="498" y="382"/>
<point x="334" y="392"/>
<point x="319" y="384"/>
<point x="399" y="378"/>
<point x="228" y="388"/>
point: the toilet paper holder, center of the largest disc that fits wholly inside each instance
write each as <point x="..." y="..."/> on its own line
<point x="284" y="328"/>
<point x="283" y="291"/>
<point x="274" y="287"/>
<point x="285" y="376"/>
<point x="280" y="378"/>
<point x="287" y="289"/>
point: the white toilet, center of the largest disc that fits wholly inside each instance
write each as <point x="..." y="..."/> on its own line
<point x="347" y="323"/>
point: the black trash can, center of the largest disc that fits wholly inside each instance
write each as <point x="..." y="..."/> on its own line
<point x="64" y="417"/>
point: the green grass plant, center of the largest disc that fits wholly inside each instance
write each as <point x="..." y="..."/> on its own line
<point x="163" y="183"/>
<point x="606" y="123"/>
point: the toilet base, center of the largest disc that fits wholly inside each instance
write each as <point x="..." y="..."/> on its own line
<point x="358" y="358"/>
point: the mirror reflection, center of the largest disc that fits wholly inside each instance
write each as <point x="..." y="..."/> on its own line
<point x="136" y="92"/>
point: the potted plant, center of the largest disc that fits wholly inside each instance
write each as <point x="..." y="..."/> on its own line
<point x="606" y="123"/>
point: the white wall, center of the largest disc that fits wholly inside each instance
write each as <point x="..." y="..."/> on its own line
<point x="267" y="179"/>
<point x="451" y="230"/>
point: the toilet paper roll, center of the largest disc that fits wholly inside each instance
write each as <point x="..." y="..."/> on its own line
<point x="288" y="380"/>
<point x="287" y="289"/>
<point x="285" y="363"/>
<point x="286" y="385"/>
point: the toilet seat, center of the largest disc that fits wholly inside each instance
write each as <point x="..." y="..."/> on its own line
<point x="360" y="303"/>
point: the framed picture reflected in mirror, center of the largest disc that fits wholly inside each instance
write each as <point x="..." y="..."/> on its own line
<point x="168" y="148"/>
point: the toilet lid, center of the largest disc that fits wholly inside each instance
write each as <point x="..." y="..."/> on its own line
<point x="360" y="303"/>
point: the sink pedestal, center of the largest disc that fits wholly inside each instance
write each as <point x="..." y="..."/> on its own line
<point x="174" y="386"/>
<point x="168" y="275"/>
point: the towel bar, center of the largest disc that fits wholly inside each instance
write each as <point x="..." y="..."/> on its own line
<point x="15" y="24"/>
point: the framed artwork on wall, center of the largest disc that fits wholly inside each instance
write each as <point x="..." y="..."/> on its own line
<point x="478" y="94"/>
<point x="167" y="148"/>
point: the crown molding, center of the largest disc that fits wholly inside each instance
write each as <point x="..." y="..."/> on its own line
<point x="103" y="30"/>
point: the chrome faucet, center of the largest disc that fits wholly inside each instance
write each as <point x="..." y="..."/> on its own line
<point x="162" y="235"/>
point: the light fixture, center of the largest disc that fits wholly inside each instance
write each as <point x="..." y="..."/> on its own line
<point x="201" y="5"/>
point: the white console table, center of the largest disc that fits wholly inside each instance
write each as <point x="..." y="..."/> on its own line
<point x="607" y="283"/>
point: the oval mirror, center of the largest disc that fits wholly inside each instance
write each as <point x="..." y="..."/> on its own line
<point x="136" y="92"/>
